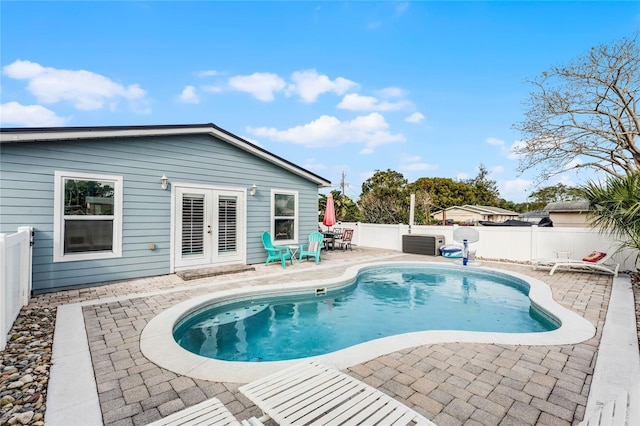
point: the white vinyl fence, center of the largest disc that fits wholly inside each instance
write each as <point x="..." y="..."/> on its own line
<point x="511" y="243"/>
<point x="15" y="277"/>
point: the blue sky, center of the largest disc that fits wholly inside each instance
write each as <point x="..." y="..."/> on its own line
<point x="429" y="89"/>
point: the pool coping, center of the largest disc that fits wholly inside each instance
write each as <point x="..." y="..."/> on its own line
<point x="159" y="346"/>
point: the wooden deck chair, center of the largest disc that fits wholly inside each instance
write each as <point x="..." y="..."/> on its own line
<point x="313" y="247"/>
<point x="596" y="261"/>
<point x="275" y="253"/>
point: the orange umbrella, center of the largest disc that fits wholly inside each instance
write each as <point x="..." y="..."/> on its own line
<point x="329" y="212"/>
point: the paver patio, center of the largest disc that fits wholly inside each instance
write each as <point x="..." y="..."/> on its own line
<point x="450" y="383"/>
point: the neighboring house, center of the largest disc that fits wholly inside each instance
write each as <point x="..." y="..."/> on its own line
<point x="474" y="214"/>
<point x="534" y="216"/>
<point x="569" y="213"/>
<point x="102" y="211"/>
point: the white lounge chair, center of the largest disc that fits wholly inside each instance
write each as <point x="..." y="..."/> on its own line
<point x="211" y="412"/>
<point x="313" y="393"/>
<point x="597" y="261"/>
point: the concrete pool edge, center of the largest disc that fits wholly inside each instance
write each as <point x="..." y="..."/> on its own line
<point x="159" y="346"/>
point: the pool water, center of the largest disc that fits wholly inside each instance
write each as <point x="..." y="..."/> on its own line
<point x="383" y="301"/>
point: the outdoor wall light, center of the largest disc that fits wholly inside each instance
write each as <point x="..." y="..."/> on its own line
<point x="164" y="182"/>
<point x="253" y="190"/>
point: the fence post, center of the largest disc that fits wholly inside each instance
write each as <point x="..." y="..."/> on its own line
<point x="3" y="296"/>
<point x="534" y="243"/>
<point x="26" y="256"/>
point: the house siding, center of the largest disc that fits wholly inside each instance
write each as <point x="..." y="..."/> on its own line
<point x="27" y="191"/>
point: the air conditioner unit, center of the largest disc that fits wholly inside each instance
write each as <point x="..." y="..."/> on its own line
<point x="422" y="244"/>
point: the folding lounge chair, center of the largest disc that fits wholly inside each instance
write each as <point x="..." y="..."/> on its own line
<point x="207" y="413"/>
<point x="311" y="393"/>
<point x="597" y="261"/>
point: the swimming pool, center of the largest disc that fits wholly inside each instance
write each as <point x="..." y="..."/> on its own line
<point x="157" y="342"/>
<point x="382" y="301"/>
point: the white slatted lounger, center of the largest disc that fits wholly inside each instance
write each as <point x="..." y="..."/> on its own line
<point x="207" y="413"/>
<point x="313" y="394"/>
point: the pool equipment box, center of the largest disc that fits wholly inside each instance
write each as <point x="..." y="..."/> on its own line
<point x="422" y="244"/>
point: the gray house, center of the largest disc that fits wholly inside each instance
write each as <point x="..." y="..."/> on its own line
<point x="116" y="203"/>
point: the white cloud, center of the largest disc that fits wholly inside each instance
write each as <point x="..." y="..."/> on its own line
<point x="208" y="73"/>
<point x="84" y="89"/>
<point x="494" y="141"/>
<point x="13" y="113"/>
<point x="412" y="163"/>
<point x="462" y="176"/>
<point x="497" y="169"/>
<point x="309" y="85"/>
<point x="510" y="151"/>
<point x="370" y="130"/>
<point x="566" y="180"/>
<point x="407" y="158"/>
<point x="262" y="86"/>
<point x="416" y="117"/>
<point x="391" y="92"/>
<point x="516" y="190"/>
<point x="418" y="167"/>
<point x="189" y="95"/>
<point x="355" y="102"/>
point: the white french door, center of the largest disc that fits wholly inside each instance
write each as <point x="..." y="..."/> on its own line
<point x="208" y="226"/>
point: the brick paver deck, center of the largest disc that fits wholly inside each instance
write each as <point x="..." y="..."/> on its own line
<point x="451" y="383"/>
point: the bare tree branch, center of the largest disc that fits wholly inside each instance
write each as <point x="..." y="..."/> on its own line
<point x="584" y="115"/>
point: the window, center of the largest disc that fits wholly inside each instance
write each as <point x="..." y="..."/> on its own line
<point x="87" y="216"/>
<point x="285" y="216"/>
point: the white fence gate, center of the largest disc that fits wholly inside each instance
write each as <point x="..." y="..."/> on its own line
<point x="15" y="277"/>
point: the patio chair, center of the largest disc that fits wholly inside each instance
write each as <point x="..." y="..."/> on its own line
<point x="312" y="249"/>
<point x="596" y="261"/>
<point x="274" y="253"/>
<point x="345" y="239"/>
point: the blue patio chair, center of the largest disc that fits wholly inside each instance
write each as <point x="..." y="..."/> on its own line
<point x="274" y="253"/>
<point x="313" y="247"/>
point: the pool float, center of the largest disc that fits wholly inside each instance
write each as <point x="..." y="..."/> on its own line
<point x="451" y="250"/>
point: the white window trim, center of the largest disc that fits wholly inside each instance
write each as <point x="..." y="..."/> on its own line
<point x="296" y="217"/>
<point x="58" y="218"/>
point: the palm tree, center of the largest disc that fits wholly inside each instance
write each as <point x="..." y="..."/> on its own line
<point x="615" y="207"/>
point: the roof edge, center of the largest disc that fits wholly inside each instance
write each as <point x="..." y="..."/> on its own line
<point x="42" y="134"/>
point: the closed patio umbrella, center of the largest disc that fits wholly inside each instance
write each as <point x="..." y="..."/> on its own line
<point x="329" y="212"/>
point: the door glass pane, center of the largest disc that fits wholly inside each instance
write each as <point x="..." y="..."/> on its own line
<point x="192" y="225"/>
<point x="284" y="229"/>
<point x="88" y="197"/>
<point x="88" y="235"/>
<point x="227" y="224"/>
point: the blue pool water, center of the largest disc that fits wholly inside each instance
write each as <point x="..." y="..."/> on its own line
<point x="383" y="301"/>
